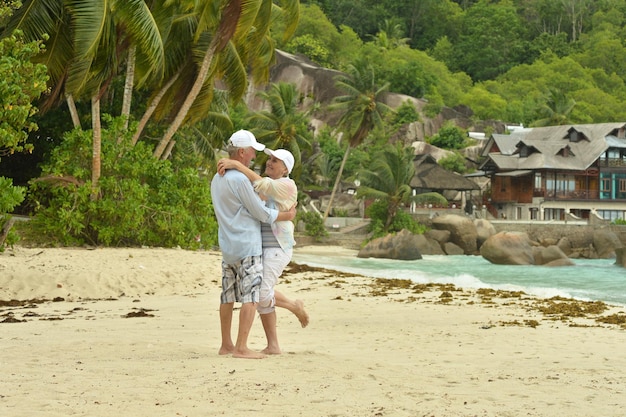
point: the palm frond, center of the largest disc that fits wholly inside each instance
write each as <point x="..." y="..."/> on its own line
<point x="89" y="22"/>
<point x="144" y="31"/>
<point x="290" y="13"/>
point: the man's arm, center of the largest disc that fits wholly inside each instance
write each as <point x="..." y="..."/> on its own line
<point x="287" y="215"/>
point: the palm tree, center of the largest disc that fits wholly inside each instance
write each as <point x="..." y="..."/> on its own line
<point x="556" y="110"/>
<point x="238" y="38"/>
<point x="88" y="40"/>
<point x="282" y="125"/>
<point x="203" y="139"/>
<point x="387" y="179"/>
<point x="390" y="35"/>
<point x="362" y="107"/>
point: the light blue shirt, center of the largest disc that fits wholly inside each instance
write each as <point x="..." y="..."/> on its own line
<point x="239" y="211"/>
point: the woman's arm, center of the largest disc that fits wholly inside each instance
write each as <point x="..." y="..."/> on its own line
<point x="226" y="163"/>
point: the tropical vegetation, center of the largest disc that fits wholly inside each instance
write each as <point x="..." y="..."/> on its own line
<point x="386" y="181"/>
<point x="117" y="81"/>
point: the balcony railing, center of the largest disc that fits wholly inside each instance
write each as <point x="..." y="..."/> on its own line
<point x="566" y="195"/>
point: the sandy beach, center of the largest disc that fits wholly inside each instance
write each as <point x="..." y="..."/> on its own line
<point x="135" y="332"/>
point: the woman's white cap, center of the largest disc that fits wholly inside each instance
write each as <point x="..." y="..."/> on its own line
<point x="284" y="155"/>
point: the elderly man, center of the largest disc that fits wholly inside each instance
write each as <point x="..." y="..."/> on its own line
<point x="239" y="212"/>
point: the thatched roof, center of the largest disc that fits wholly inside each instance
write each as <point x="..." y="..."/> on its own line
<point x="431" y="176"/>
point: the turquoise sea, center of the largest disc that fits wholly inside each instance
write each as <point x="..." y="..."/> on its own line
<point x="590" y="280"/>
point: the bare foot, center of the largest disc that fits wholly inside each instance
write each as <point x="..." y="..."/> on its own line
<point x="248" y="354"/>
<point x="226" y="350"/>
<point x="271" y="351"/>
<point x="301" y="313"/>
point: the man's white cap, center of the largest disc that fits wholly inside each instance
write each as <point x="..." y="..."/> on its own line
<point x="284" y="155"/>
<point x="243" y="139"/>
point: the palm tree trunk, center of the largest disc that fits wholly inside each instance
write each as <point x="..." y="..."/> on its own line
<point x="73" y="112"/>
<point x="228" y="24"/>
<point x="97" y="146"/>
<point x="128" y="87"/>
<point x="191" y="97"/>
<point x="337" y="180"/>
<point x="168" y="150"/>
<point x="392" y="210"/>
<point x="152" y="107"/>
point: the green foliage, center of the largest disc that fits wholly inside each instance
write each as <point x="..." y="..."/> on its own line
<point x="313" y="224"/>
<point x="282" y="124"/>
<point x="310" y="47"/>
<point x="492" y="40"/>
<point x="406" y="76"/>
<point x="20" y="82"/>
<point x="10" y="197"/>
<point x="454" y="162"/>
<point x="332" y="46"/>
<point x="387" y="179"/>
<point x="620" y="222"/>
<point x="340" y="212"/>
<point x="142" y="200"/>
<point x="449" y="136"/>
<point x="334" y="152"/>
<point x="377" y="212"/>
<point x="485" y="104"/>
<point x="556" y="109"/>
<point x="435" y="199"/>
<point x="405" y="114"/>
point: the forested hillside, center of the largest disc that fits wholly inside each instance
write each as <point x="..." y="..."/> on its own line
<point x="536" y="62"/>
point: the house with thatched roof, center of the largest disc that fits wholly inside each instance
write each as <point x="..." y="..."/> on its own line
<point x="558" y="172"/>
<point x="432" y="177"/>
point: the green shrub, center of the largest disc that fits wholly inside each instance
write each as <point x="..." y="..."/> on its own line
<point x="405" y="114"/>
<point x="455" y="162"/>
<point x="141" y="200"/>
<point x="450" y="136"/>
<point x="313" y="224"/>
<point x="10" y="197"/>
<point x="377" y="212"/>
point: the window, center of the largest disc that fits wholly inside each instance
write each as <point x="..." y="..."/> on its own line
<point x="605" y="185"/>
<point x="576" y="136"/>
<point x="538" y="184"/>
<point x="523" y="152"/>
<point x="566" y="152"/>
<point x="533" y="213"/>
<point x="622" y="186"/>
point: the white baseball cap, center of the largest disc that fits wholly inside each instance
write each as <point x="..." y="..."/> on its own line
<point x="243" y="139"/>
<point x="284" y="155"/>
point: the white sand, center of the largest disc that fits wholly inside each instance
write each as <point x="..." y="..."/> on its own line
<point x="397" y="354"/>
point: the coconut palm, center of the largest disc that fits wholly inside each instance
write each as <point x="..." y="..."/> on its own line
<point x="231" y="36"/>
<point x="556" y="110"/>
<point x="88" y="41"/>
<point x="202" y="139"/>
<point x="362" y="110"/>
<point x="388" y="179"/>
<point x="282" y="125"/>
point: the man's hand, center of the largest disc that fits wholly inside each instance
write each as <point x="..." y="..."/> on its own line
<point x="292" y="211"/>
<point x="288" y="215"/>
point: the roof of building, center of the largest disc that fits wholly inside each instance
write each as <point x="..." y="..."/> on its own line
<point x="567" y="147"/>
<point x="430" y="175"/>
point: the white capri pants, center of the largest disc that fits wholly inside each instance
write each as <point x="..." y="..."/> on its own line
<point x="274" y="262"/>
